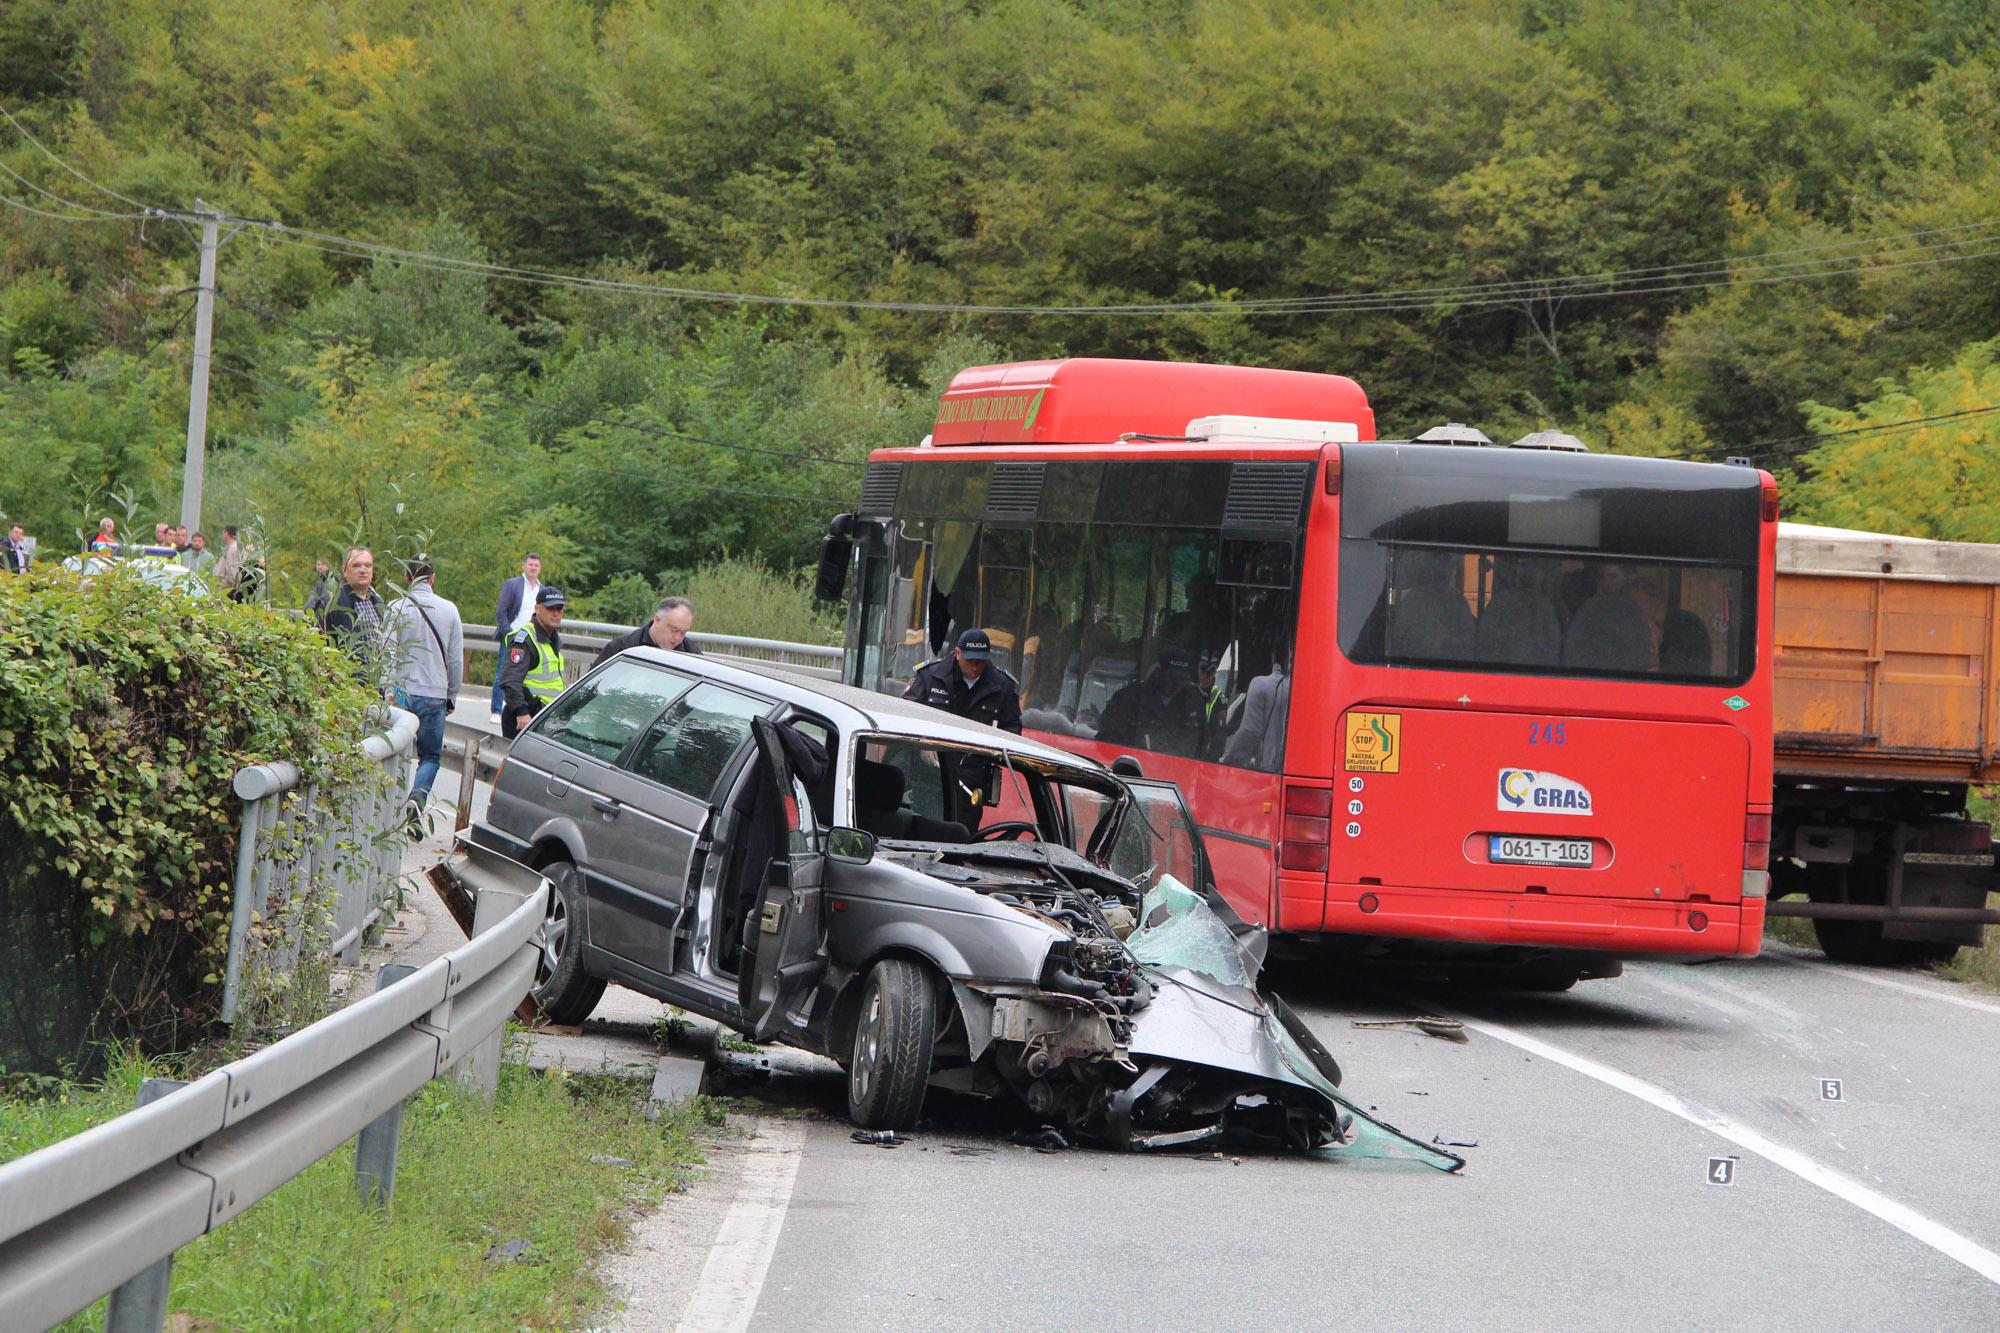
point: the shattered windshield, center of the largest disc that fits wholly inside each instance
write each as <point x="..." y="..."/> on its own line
<point x="1177" y="929"/>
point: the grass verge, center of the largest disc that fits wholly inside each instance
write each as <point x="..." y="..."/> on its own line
<point x="1792" y="930"/>
<point x="1976" y="967"/>
<point x="471" y="1178"/>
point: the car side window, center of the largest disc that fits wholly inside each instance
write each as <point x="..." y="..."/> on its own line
<point x="600" y="716"/>
<point x="1155" y="841"/>
<point x="689" y="747"/>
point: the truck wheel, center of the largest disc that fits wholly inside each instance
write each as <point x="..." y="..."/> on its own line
<point x="893" y="1037"/>
<point x="1856" y="942"/>
<point x="1862" y="943"/>
<point x="563" y="991"/>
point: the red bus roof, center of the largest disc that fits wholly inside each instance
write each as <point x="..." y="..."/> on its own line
<point x="1095" y="401"/>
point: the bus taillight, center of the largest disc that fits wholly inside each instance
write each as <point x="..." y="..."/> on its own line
<point x="1756" y="855"/>
<point x="1756" y="842"/>
<point x="1770" y="500"/>
<point x="1308" y="828"/>
<point x="1332" y="467"/>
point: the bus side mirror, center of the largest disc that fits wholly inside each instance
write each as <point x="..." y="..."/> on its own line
<point x="830" y="584"/>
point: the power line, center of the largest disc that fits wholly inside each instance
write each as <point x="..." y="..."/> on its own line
<point x="1655" y="280"/>
<point x="670" y="483"/>
<point x="12" y="202"/>
<point x="1722" y="273"/>
<point x="99" y="214"/>
<point x="1793" y="447"/>
<point x="172" y="329"/>
<point x="22" y="130"/>
<point x="496" y="392"/>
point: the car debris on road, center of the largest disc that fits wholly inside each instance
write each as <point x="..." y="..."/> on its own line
<point x="1446" y="1029"/>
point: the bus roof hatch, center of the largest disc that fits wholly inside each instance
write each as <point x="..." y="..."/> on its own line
<point x="1272" y="428"/>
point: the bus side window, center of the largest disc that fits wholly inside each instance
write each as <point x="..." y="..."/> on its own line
<point x="1061" y="582"/>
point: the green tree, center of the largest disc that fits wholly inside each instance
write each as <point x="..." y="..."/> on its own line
<point x="1916" y="475"/>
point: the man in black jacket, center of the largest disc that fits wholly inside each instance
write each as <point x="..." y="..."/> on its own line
<point x="668" y="630"/>
<point x="354" y="621"/>
<point x="967" y="684"/>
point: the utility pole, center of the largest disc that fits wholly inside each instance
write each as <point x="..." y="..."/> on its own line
<point x="204" y="315"/>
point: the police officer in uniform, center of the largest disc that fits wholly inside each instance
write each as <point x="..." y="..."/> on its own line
<point x="966" y="683"/>
<point x="531" y="663"/>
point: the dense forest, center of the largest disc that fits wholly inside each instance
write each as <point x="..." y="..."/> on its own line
<point x="1694" y="229"/>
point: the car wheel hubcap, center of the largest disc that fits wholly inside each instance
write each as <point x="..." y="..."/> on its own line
<point x="868" y="1049"/>
<point x="555" y="933"/>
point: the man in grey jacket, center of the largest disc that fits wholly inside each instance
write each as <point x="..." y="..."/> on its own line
<point x="429" y="648"/>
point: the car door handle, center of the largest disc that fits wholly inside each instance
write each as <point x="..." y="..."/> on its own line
<point x="609" y="809"/>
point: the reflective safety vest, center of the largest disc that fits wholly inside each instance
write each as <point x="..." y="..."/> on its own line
<point x="545" y="679"/>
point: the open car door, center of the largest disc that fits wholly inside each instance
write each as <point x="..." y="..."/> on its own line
<point x="784" y="933"/>
<point x="1155" y="836"/>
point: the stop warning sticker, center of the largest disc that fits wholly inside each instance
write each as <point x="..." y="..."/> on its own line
<point x="1374" y="743"/>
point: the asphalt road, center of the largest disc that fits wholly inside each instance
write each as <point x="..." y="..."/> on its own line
<point x="1586" y="1204"/>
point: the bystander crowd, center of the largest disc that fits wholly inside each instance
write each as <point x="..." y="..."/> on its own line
<point x="428" y="645"/>
<point x="198" y="557"/>
<point x="531" y="663"/>
<point x="319" y="597"/>
<point x="668" y="630"/>
<point x="517" y="606"/>
<point x="229" y="565"/>
<point x="355" y="620"/>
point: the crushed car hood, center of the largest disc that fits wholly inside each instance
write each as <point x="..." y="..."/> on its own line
<point x="1156" y="1036"/>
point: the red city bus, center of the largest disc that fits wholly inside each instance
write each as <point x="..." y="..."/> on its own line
<point x="1474" y="696"/>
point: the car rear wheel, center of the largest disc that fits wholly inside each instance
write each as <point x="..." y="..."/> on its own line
<point x="893" y="1037"/>
<point x="563" y="991"/>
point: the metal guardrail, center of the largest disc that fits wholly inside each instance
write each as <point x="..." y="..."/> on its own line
<point x="582" y="639"/>
<point x="351" y="844"/>
<point x="105" y="1210"/>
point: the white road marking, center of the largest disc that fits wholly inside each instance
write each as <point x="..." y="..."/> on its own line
<point x="1890" y="983"/>
<point x="1904" y="1218"/>
<point x="725" y="1296"/>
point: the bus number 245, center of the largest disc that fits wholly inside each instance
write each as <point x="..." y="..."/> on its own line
<point x="1545" y="733"/>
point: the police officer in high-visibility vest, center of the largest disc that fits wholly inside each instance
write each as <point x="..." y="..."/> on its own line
<point x="531" y="663"/>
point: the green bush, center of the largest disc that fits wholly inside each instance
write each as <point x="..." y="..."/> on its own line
<point x="125" y="711"/>
<point x="732" y="595"/>
<point x="41" y="315"/>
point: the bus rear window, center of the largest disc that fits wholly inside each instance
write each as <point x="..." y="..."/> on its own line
<point x="1606" y="567"/>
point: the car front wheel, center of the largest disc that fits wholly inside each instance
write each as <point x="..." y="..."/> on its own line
<point x="893" y="1036"/>
<point x="563" y="991"/>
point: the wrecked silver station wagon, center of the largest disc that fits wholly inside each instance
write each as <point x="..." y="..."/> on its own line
<point x="926" y="901"/>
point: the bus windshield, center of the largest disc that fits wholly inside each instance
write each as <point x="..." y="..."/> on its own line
<point x="1537" y="564"/>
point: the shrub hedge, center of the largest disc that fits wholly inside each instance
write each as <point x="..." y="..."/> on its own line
<point x="125" y="711"/>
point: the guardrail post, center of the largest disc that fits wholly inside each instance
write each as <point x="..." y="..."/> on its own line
<point x="139" y="1304"/>
<point x="479" y="1072"/>
<point x="375" y="1147"/>
<point x="239" y="917"/>
<point x="468" y="776"/>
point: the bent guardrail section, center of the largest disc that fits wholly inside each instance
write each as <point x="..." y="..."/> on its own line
<point x="88" y="1215"/>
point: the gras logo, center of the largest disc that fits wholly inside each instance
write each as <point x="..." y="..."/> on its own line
<point x="1543" y="793"/>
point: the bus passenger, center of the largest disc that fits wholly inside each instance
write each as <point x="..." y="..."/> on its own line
<point x="1162" y="712"/>
<point x="1259" y="741"/>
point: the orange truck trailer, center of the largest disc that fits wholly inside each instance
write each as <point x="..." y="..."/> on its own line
<point x="1886" y="715"/>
